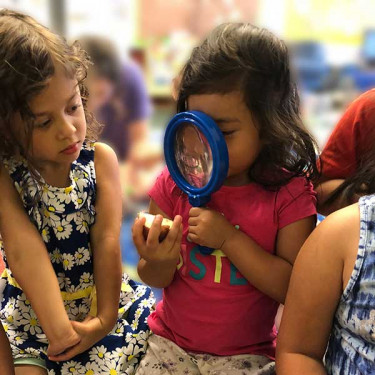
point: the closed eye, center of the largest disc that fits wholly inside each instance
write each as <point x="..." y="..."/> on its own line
<point x="43" y="124"/>
<point x="227" y="133"/>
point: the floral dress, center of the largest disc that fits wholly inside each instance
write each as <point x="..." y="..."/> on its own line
<point x="63" y="217"/>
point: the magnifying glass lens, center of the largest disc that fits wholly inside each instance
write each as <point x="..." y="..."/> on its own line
<point x="193" y="155"/>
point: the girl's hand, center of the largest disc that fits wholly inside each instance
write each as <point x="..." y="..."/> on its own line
<point x="209" y="228"/>
<point x="153" y="251"/>
<point x="90" y="331"/>
<point x="57" y="347"/>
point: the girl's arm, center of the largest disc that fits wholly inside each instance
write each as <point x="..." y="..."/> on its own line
<point x="105" y="245"/>
<point x="158" y="261"/>
<point x="321" y="272"/>
<point x="31" y="266"/>
<point x="6" y="360"/>
<point x="105" y="235"/>
<point x="267" y="272"/>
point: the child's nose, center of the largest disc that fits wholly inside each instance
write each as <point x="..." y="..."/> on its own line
<point x="66" y="128"/>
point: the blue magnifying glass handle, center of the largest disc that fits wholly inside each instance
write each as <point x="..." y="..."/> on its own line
<point x="205" y="250"/>
<point x="196" y="155"/>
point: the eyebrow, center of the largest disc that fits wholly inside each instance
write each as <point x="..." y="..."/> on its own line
<point x="46" y="112"/>
<point x="224" y="120"/>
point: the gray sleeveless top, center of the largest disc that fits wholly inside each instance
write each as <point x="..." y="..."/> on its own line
<point x="351" y="349"/>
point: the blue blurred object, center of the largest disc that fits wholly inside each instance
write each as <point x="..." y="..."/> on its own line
<point x="368" y="47"/>
<point x="309" y="60"/>
<point x="364" y="79"/>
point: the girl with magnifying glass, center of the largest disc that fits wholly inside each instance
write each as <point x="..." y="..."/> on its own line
<point x="218" y="309"/>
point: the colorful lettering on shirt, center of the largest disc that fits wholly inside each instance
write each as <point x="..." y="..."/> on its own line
<point x="198" y="264"/>
<point x="235" y="276"/>
<point x="234" y="279"/>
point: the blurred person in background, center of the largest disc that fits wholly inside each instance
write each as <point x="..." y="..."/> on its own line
<point x="118" y="95"/>
<point x="120" y="101"/>
<point x="348" y="160"/>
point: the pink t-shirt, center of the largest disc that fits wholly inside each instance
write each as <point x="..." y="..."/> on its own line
<point x="210" y="307"/>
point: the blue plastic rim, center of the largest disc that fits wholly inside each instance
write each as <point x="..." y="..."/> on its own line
<point x="197" y="196"/>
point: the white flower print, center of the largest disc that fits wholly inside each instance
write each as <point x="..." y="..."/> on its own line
<point x="134" y="324"/>
<point x="81" y="256"/>
<point x="47" y="194"/>
<point x="64" y="282"/>
<point x="12" y="315"/>
<point x="66" y="197"/>
<point x="72" y="367"/>
<point x="147" y="303"/>
<point x="81" y="197"/>
<point x="32" y="351"/>
<point x="30" y="323"/>
<point x="81" y="179"/>
<point x="83" y="311"/>
<point x="67" y="261"/>
<point x="118" y="329"/>
<point x="50" y="218"/>
<point x="45" y="234"/>
<point x="19" y="338"/>
<point x="92" y="368"/>
<point x="99" y="353"/>
<point x="71" y="309"/>
<point x="55" y="206"/>
<point x="142" y="337"/>
<point x="86" y="279"/>
<point x="111" y="367"/>
<point x="117" y="354"/>
<point x="63" y="230"/>
<point x="132" y="348"/>
<point x="23" y="304"/>
<point x="56" y="256"/>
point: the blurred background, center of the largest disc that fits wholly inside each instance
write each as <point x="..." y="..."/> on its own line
<point x="138" y="47"/>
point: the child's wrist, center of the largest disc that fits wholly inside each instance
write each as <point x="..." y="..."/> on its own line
<point x="108" y="318"/>
<point x="227" y="243"/>
<point x="60" y="332"/>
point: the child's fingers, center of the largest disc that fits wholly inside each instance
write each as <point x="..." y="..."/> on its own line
<point x="68" y="354"/>
<point x="154" y="232"/>
<point x="195" y="211"/>
<point x="175" y="232"/>
<point x="137" y="232"/>
<point x="193" y="238"/>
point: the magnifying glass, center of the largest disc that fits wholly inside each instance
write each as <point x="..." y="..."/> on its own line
<point x="197" y="157"/>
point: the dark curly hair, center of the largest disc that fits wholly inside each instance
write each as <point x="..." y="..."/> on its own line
<point x="242" y="57"/>
<point x="29" y="54"/>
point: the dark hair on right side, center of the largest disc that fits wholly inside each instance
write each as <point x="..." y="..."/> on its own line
<point x="362" y="182"/>
<point x="242" y="57"/>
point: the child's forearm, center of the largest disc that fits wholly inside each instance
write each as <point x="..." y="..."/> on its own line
<point x="6" y="360"/>
<point x="296" y="364"/>
<point x="107" y="276"/>
<point x="34" y="273"/>
<point x="157" y="275"/>
<point x="267" y="272"/>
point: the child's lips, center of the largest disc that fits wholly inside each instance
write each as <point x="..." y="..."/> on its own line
<point x="71" y="149"/>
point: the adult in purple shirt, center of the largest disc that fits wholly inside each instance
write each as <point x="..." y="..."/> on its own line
<point x="117" y="95"/>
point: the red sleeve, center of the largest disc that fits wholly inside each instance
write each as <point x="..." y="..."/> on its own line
<point x="351" y="138"/>
<point x="165" y="193"/>
<point x="295" y="201"/>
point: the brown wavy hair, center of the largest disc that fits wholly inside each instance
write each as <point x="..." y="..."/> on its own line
<point x="29" y="54"/>
<point x="242" y="57"/>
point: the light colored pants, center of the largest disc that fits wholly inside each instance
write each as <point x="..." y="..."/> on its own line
<point x="163" y="357"/>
